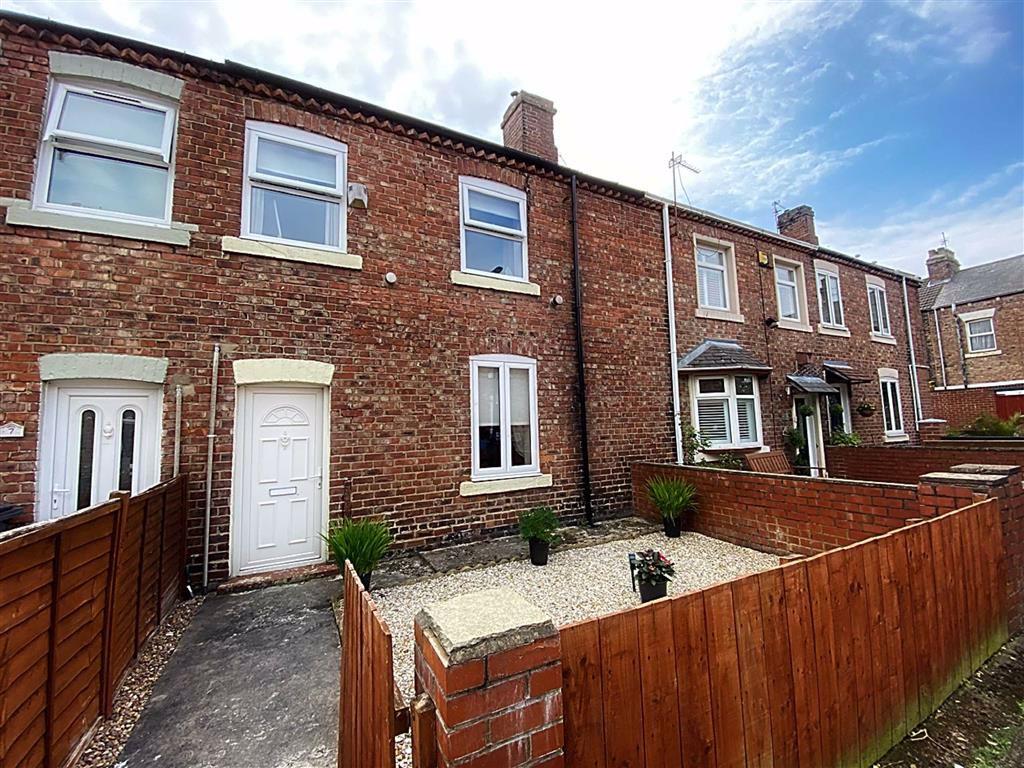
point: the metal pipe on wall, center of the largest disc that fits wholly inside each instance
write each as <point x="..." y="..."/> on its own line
<point x="672" y="350"/>
<point x="913" y="357"/>
<point x="177" y="429"/>
<point x="210" y="436"/>
<point x="581" y="377"/>
<point x="938" y="343"/>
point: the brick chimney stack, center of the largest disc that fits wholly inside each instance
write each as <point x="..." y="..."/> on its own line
<point x="798" y="223"/>
<point x="529" y="125"/>
<point x="942" y="264"/>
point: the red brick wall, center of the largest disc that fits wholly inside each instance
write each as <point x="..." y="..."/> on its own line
<point x="904" y="464"/>
<point x="400" y="432"/>
<point x="1007" y="366"/>
<point x="785" y="514"/>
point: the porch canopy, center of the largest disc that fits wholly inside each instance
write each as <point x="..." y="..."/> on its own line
<point x="810" y="379"/>
<point x="842" y="372"/>
<point x="720" y="355"/>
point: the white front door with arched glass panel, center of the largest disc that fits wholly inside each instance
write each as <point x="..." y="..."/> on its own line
<point x="278" y="485"/>
<point x="97" y="437"/>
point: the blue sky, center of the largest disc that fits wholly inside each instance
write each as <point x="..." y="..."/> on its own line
<point x="896" y="121"/>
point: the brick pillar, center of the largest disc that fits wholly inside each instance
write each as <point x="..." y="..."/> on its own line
<point x="930" y="430"/>
<point x="491" y="663"/>
<point x="941" y="492"/>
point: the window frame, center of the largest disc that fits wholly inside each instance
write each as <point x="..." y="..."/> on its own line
<point x="252" y="179"/>
<point x="54" y="139"/>
<point x="503" y="191"/>
<point x="826" y="271"/>
<point x="732" y="406"/>
<point x="981" y="315"/>
<point x="878" y="297"/>
<point x="887" y="379"/>
<point x="504" y="363"/>
<point x="802" y="321"/>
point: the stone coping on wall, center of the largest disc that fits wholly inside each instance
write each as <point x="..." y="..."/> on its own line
<point x="798" y="478"/>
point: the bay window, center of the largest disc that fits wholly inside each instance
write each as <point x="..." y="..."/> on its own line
<point x="727" y="411"/>
<point x="107" y="153"/>
<point x="503" y="392"/>
<point x="295" y="187"/>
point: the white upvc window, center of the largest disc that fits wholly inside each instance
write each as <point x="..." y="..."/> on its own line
<point x="892" y="407"/>
<point x="727" y="410"/>
<point x="107" y="153"/>
<point x="790" y="294"/>
<point x="294" y="190"/>
<point x="506" y="439"/>
<point x="492" y="223"/>
<point x="830" y="296"/>
<point x="878" y="308"/>
<point x="981" y="331"/>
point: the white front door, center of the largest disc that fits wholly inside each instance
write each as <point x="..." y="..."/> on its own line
<point x="97" y="437"/>
<point x="278" y="487"/>
<point x="808" y="419"/>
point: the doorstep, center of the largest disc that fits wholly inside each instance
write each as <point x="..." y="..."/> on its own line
<point x="274" y="578"/>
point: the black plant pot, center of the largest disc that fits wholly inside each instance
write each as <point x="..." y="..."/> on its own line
<point x="650" y="592"/>
<point x="365" y="578"/>
<point x="539" y="551"/>
<point x="671" y="526"/>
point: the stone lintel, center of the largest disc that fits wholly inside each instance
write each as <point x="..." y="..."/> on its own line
<point x="479" y="624"/>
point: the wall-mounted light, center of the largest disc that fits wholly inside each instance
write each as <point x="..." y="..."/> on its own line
<point x="557" y="301"/>
<point x="390" y="278"/>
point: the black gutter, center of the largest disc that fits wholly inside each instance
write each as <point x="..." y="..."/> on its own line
<point x="581" y="373"/>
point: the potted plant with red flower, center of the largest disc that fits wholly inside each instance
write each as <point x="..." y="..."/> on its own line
<point x="653" y="572"/>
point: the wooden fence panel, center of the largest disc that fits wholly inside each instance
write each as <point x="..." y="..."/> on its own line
<point x="367" y="716"/>
<point x="823" y="662"/>
<point x="59" y="596"/>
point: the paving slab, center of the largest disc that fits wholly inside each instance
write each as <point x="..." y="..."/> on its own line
<point x="254" y="682"/>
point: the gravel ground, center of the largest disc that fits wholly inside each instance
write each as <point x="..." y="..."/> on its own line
<point x="576" y="584"/>
<point x="111" y="735"/>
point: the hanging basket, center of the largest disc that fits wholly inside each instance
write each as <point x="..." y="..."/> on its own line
<point x="866" y="409"/>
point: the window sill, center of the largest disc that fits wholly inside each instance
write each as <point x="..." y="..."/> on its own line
<point x="494" y="283"/>
<point x="709" y="313"/>
<point x="20" y="213"/>
<point x="505" y="485"/>
<point x="833" y="330"/>
<point x="795" y="325"/>
<point x="986" y="353"/>
<point x="291" y="253"/>
<point x="883" y="339"/>
<point x="903" y="437"/>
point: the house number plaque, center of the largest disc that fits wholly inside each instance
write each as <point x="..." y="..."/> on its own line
<point x="11" y="429"/>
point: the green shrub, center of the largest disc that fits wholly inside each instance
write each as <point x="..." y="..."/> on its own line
<point x="693" y="443"/>
<point x="844" y="438"/>
<point x="671" y="496"/>
<point x="990" y="425"/>
<point x="362" y="542"/>
<point x="728" y="461"/>
<point x="539" y="523"/>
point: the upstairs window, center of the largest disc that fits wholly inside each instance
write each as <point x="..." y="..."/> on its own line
<point x="712" y="278"/>
<point x="830" y="297"/>
<point x="295" y="187"/>
<point x="981" y="335"/>
<point x="493" y="229"/>
<point x="879" y="309"/>
<point x="503" y="390"/>
<point x="106" y="152"/>
<point x="790" y="294"/>
<point x="727" y="411"/>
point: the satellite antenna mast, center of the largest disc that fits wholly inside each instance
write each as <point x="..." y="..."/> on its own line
<point x="945" y="242"/>
<point x="675" y="163"/>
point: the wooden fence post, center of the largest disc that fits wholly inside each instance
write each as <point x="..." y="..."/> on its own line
<point x="106" y="664"/>
<point x="51" y="653"/>
<point x="160" y="560"/>
<point x="424" y="744"/>
<point x="142" y="564"/>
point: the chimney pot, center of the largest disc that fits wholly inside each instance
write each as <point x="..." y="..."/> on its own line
<point x="529" y="125"/>
<point x="798" y="223"/>
<point x="942" y="264"/>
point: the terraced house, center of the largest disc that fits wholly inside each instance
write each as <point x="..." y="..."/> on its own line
<point x="320" y="308"/>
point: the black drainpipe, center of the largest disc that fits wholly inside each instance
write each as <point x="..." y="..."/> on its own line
<point x="581" y="376"/>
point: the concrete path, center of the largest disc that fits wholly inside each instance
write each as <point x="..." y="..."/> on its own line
<point x="253" y="684"/>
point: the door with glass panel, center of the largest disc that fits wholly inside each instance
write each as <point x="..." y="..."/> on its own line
<point x="97" y="439"/>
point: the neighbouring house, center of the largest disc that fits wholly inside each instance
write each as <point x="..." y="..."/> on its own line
<point x="320" y="308"/>
<point x="974" y="325"/>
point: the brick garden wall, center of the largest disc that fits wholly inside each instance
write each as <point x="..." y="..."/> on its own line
<point x="905" y="463"/>
<point x="784" y="514"/>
